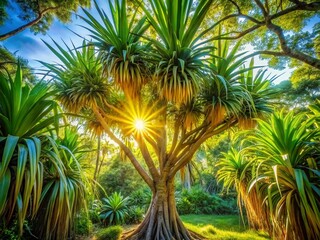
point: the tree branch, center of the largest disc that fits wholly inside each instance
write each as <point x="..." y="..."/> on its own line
<point x="153" y="143"/>
<point x="147" y="157"/>
<point x="236" y="5"/>
<point x="260" y="5"/>
<point x="126" y="150"/>
<point x="184" y="159"/>
<point x="291" y="52"/>
<point x="27" y="25"/>
<point x="287" y="51"/>
<point x="175" y="136"/>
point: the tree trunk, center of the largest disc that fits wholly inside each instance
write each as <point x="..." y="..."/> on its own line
<point x="162" y="221"/>
<point x="98" y="158"/>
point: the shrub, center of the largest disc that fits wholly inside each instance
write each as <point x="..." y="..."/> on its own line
<point x="110" y="233"/>
<point x="114" y="209"/>
<point x="140" y="198"/>
<point x="94" y="211"/>
<point x="9" y="232"/>
<point x="83" y="224"/>
<point x="198" y="201"/>
<point x="119" y="169"/>
<point x="135" y="215"/>
<point x="184" y="206"/>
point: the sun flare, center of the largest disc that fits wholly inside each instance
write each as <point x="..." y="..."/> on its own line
<point x="139" y="124"/>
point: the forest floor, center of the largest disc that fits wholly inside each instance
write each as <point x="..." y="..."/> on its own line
<point x="212" y="227"/>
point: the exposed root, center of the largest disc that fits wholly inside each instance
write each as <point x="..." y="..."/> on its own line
<point x="162" y="221"/>
<point x="161" y="224"/>
<point x="130" y="236"/>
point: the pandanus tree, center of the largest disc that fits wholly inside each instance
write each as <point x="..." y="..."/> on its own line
<point x="166" y="96"/>
<point x="287" y="149"/>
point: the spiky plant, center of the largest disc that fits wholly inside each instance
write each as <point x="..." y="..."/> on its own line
<point x="189" y="114"/>
<point x="114" y="209"/>
<point x="64" y="189"/>
<point x="258" y="85"/>
<point x="178" y="55"/>
<point x="223" y="93"/>
<point x="288" y="174"/>
<point x="236" y="171"/>
<point x="25" y="112"/>
<point x="80" y="81"/>
<point x="227" y="61"/>
<point x="315" y="116"/>
<point x="26" y="115"/>
<point x="117" y="37"/>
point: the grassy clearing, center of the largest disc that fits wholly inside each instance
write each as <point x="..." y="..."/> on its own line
<point x="221" y="227"/>
<point x="217" y="227"/>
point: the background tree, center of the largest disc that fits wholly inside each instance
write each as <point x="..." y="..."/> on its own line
<point x="274" y="28"/>
<point x="161" y="85"/>
<point x="38" y="15"/>
<point x="277" y="167"/>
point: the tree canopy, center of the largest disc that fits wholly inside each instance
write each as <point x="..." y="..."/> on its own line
<point x="159" y="89"/>
<point x="37" y="15"/>
<point x="160" y="78"/>
<point x="274" y="28"/>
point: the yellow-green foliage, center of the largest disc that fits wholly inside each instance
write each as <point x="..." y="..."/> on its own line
<point x="220" y="227"/>
<point x="110" y="233"/>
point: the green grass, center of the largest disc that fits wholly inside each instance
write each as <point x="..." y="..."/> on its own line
<point x="224" y="227"/>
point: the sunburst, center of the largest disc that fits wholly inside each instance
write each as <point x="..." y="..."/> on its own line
<point x="137" y="119"/>
<point x="139" y="124"/>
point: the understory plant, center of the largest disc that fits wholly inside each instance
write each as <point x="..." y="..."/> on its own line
<point x="114" y="209"/>
<point x="40" y="179"/>
<point x="197" y="201"/>
<point x="236" y="171"/>
<point x="287" y="147"/>
<point x="284" y="155"/>
<point x="110" y="233"/>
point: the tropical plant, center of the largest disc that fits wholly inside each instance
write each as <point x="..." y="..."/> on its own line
<point x="179" y="55"/>
<point x="38" y="177"/>
<point x="288" y="174"/>
<point x="64" y="190"/>
<point x="236" y="171"/>
<point x="110" y="233"/>
<point x="315" y="116"/>
<point x="259" y="87"/>
<point x="168" y="117"/>
<point x="117" y="37"/>
<point x="223" y="94"/>
<point x="80" y="82"/>
<point x="135" y="215"/>
<point x="24" y="113"/>
<point x="114" y="209"/>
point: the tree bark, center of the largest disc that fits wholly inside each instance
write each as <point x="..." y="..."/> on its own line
<point x="97" y="158"/>
<point x="162" y="221"/>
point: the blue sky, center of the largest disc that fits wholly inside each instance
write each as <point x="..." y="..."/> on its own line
<point x="31" y="47"/>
